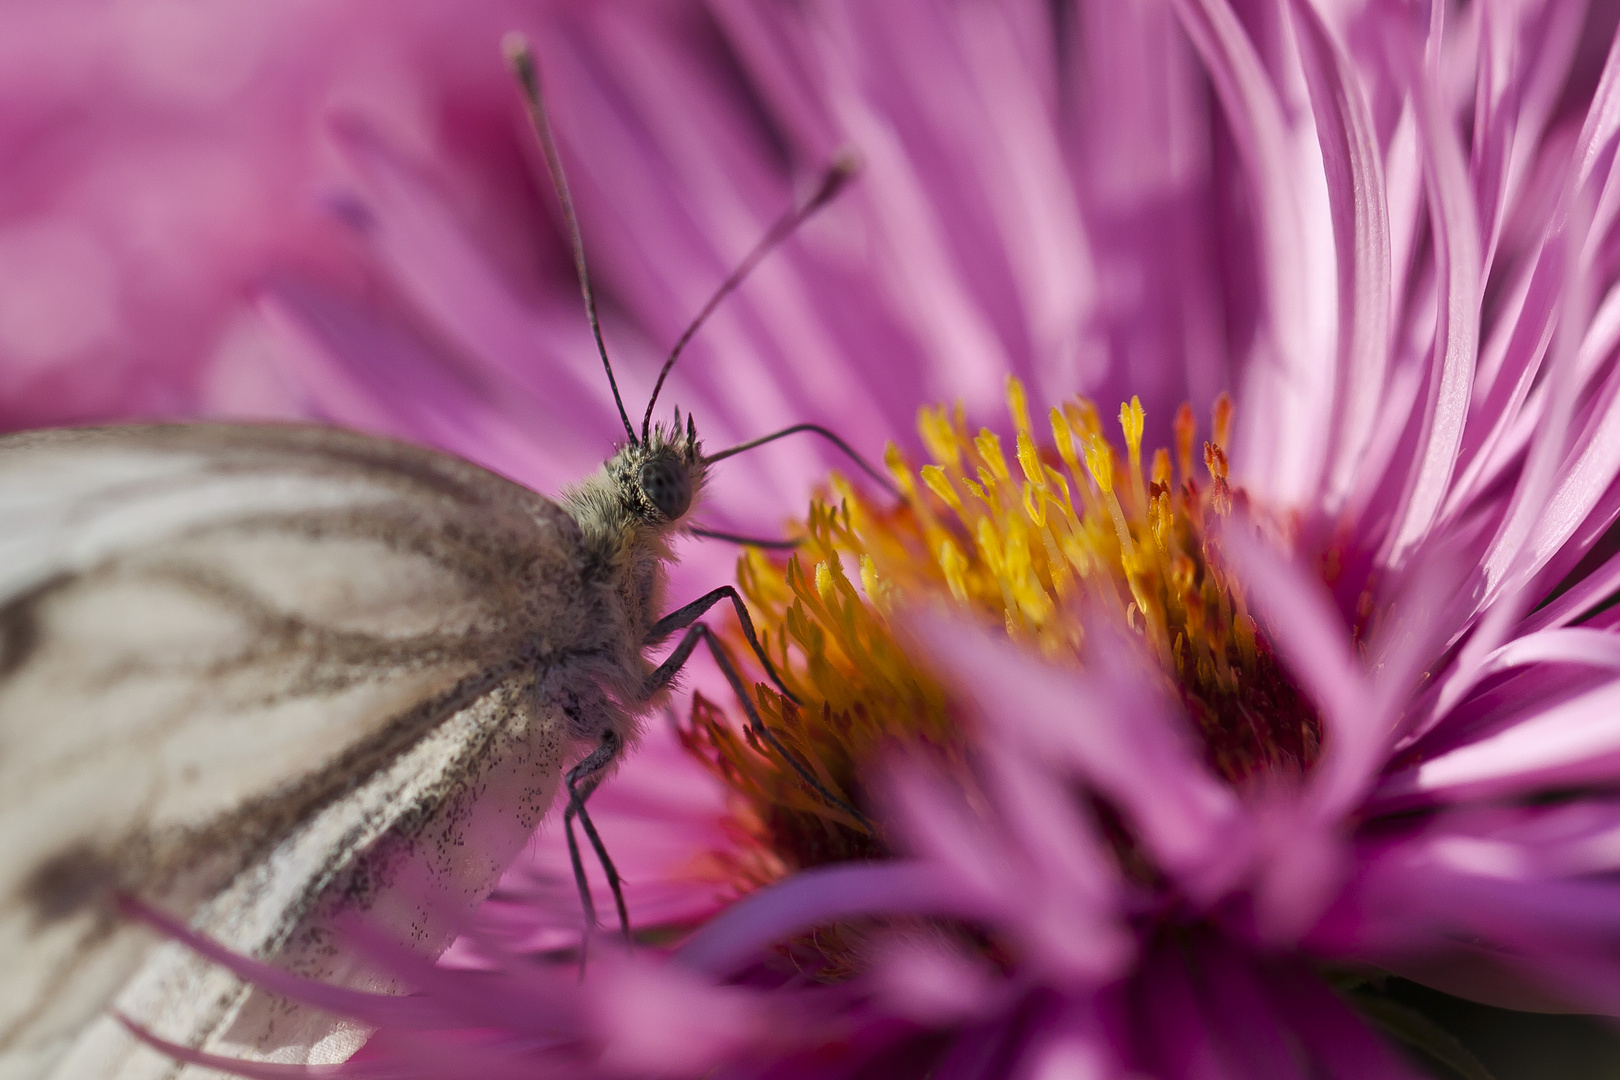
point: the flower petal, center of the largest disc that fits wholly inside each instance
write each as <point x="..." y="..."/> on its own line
<point x="1572" y="645"/>
<point x="1114" y="730"/>
<point x="1455" y="224"/>
<point x="1282" y="427"/>
<point x="818" y="896"/>
<point x="1360" y="207"/>
<point x="372" y="374"/>
<point x="1314" y="644"/>
<point x="1571" y="743"/>
<point x="545" y="352"/>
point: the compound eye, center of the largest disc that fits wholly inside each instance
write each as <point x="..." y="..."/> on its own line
<point x="666" y="487"/>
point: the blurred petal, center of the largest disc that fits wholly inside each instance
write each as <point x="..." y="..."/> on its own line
<point x="1121" y="740"/>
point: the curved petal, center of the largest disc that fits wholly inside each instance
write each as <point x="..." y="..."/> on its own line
<point x="1314" y="644"/>
<point x="1111" y="726"/>
<point x="1285" y="441"/>
<point x="374" y="374"/>
<point x="1360" y="207"/>
<point x="1579" y="601"/>
<point x="546" y="352"/>
<point x="823" y="895"/>
<point x="1594" y="648"/>
<point x="1575" y="742"/>
<point x="1455" y="224"/>
<point x="1206" y="1018"/>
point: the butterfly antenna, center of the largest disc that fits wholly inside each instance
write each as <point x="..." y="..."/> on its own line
<point x="836" y="176"/>
<point x="814" y="429"/>
<point x="521" y="56"/>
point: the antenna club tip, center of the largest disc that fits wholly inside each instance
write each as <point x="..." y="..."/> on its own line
<point x="845" y="164"/>
<point x="519" y="53"/>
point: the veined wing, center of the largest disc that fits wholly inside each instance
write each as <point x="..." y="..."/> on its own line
<point x="418" y="843"/>
<point x="219" y="648"/>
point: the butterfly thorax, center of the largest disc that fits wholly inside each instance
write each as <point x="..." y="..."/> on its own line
<point x="629" y="511"/>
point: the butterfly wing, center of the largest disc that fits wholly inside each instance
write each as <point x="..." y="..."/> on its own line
<point x="258" y="677"/>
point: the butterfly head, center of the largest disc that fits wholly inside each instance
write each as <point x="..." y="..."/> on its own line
<point x="660" y="477"/>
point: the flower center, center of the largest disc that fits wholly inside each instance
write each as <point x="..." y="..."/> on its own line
<point x="1079" y="532"/>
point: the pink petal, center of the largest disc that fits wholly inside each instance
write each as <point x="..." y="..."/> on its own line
<point x="1571" y="743"/>
<point x="255" y="1070"/>
<point x="1355" y="179"/>
<point x="1573" y="645"/>
<point x="1068" y="913"/>
<point x="1456" y="229"/>
<point x="546" y="352"/>
<point x="371" y="1008"/>
<point x="817" y="896"/>
<point x="1524" y="59"/>
<point x="1073" y="1041"/>
<point x="1114" y="729"/>
<point x="665" y="1020"/>
<point x="1314" y="644"/>
<point x="1058" y="902"/>
<point x="1287" y="436"/>
<point x="937" y="825"/>
<point x="662" y="817"/>
<point x="1205" y="1016"/>
<point x="1586" y="594"/>
<point x="930" y="983"/>
<point x="1510" y="563"/>
<point x="369" y="373"/>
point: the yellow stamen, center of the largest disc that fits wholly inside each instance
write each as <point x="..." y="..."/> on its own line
<point x="1186" y="428"/>
<point x="1223" y="420"/>
<point x="1100" y="460"/>
<point x="988" y="444"/>
<point x="1030" y="461"/>
<point x="900" y="469"/>
<point x="1035" y="505"/>
<point x="938" y="436"/>
<point x="1221" y="494"/>
<point x="1131" y="421"/>
<point x="1063" y="436"/>
<point x="1082" y="416"/>
<point x="824" y="585"/>
<point x="1016" y="403"/>
<point x="940" y="485"/>
<point x="954" y="565"/>
<point x="1161" y="468"/>
<point x="1100" y="463"/>
<point x="1034" y="555"/>
<point x="877" y="590"/>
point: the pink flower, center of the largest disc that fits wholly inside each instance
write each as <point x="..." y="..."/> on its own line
<point x="1388" y="235"/>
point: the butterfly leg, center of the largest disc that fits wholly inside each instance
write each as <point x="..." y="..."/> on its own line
<point x="582" y="781"/>
<point x="745" y="541"/>
<point x="687" y="614"/>
<point x="698" y="632"/>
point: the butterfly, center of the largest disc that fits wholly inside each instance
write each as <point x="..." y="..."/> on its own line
<point x="267" y="678"/>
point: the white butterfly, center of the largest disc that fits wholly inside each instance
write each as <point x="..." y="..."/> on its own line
<point x="266" y="678"/>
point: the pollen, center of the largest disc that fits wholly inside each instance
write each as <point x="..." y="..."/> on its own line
<point x="1072" y="529"/>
